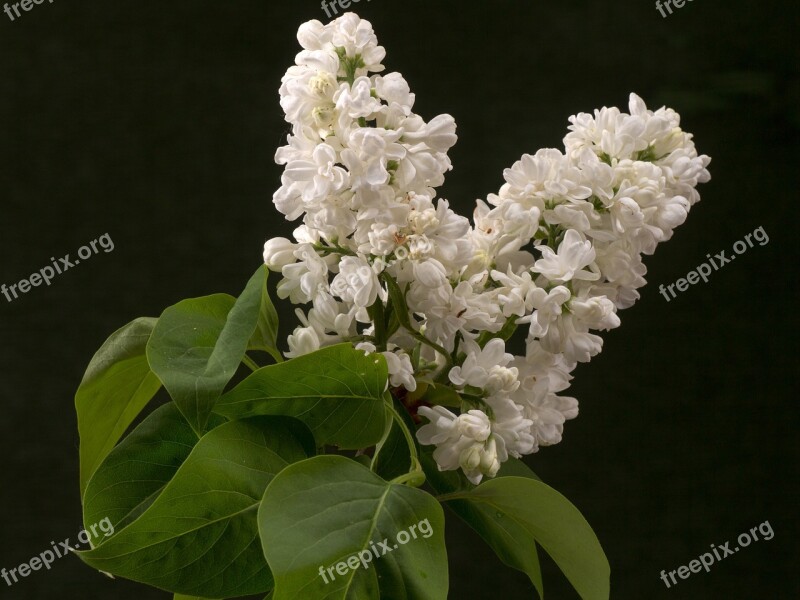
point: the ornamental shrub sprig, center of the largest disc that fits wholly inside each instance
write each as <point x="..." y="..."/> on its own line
<point x="305" y="478"/>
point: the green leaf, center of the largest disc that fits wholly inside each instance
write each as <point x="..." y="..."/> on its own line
<point x="199" y="537"/>
<point x="336" y="391"/>
<point x="265" y="337"/>
<point x="514" y="467"/>
<point x="117" y="385"/>
<point x="398" y="299"/>
<point x="544" y="515"/>
<point x="392" y="458"/>
<point x="512" y="544"/>
<point x="137" y="470"/>
<point x="184" y="597"/>
<point x="198" y="344"/>
<point x="320" y="513"/>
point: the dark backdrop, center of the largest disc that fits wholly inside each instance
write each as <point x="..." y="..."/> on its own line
<point x="157" y="122"/>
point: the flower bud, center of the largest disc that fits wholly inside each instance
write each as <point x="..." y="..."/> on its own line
<point x="279" y="252"/>
<point x="470" y="458"/>
<point x="490" y="464"/>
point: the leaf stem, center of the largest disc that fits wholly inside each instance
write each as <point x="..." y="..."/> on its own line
<point x="452" y="496"/>
<point x="401" y="309"/>
<point x="416" y="476"/>
<point x="250" y="363"/>
<point x="334" y="249"/>
<point x="376" y="313"/>
<point x="381" y="444"/>
<point x="413" y="478"/>
<point x="275" y="353"/>
<point x="412" y="447"/>
<point x="454" y="353"/>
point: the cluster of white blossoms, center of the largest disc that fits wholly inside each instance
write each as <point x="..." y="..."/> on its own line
<point x="386" y="266"/>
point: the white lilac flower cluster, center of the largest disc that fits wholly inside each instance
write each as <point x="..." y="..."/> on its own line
<point x="389" y="268"/>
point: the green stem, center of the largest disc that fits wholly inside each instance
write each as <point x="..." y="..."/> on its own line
<point x="414" y="478"/>
<point x="376" y="313"/>
<point x="274" y="353"/>
<point x="401" y="309"/>
<point x="452" y="496"/>
<point x="421" y="338"/>
<point x="454" y="353"/>
<point x="334" y="249"/>
<point x="250" y="363"/>
<point x="415" y="356"/>
<point x="412" y="447"/>
<point x="509" y="328"/>
<point x="381" y="444"/>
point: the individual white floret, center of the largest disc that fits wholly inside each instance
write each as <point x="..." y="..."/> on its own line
<point x="574" y="254"/>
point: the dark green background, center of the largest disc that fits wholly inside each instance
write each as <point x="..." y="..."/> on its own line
<point x="157" y="122"/>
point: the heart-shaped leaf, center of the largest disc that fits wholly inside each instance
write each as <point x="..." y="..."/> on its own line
<point x="531" y="508"/>
<point x="138" y="469"/>
<point x="334" y="530"/>
<point x="337" y="392"/>
<point x="265" y="337"/>
<point x="198" y="344"/>
<point x="392" y="458"/>
<point x="199" y="536"/>
<point x="512" y="544"/>
<point x="117" y="385"/>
